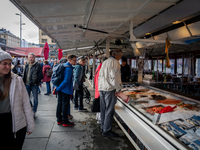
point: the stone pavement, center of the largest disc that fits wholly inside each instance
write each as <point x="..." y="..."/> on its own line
<point x="85" y="135"/>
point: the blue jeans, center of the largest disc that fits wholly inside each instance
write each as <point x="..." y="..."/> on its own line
<point x="63" y="107"/>
<point x="48" y="87"/>
<point x="34" y="90"/>
<point x="78" y="98"/>
<point x="39" y="89"/>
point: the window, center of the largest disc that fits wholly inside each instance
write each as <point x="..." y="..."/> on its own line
<point x="171" y="69"/>
<point x="160" y="65"/>
<point x="147" y="65"/>
<point x="186" y="62"/>
<point x="52" y="41"/>
<point x="133" y="63"/>
<point x="155" y="65"/>
<point x="44" y="40"/>
<point x="179" y="65"/>
<point x="44" y="33"/>
<point x="4" y="36"/>
<point x="197" y="70"/>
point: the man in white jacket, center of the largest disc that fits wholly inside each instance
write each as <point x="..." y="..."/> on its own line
<point x="109" y="85"/>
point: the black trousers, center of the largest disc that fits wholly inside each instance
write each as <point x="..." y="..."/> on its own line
<point x="62" y="107"/>
<point x="7" y="137"/>
<point x="79" y="97"/>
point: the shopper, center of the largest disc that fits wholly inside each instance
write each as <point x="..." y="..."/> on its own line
<point x="16" y="117"/>
<point x="63" y="61"/>
<point x="96" y="77"/>
<point x="18" y="69"/>
<point x="32" y="78"/>
<point x="47" y="78"/>
<point x="125" y="70"/>
<point x="79" y="77"/>
<point x="65" y="89"/>
<point x="109" y="85"/>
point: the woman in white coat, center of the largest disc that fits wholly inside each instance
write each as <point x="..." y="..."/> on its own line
<point x="16" y="116"/>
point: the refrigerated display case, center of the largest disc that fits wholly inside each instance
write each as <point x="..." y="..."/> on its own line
<point x="147" y="129"/>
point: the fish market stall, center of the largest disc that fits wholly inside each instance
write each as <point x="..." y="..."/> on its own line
<point x="156" y="119"/>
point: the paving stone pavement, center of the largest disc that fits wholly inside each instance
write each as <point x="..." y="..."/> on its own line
<point x="85" y="135"/>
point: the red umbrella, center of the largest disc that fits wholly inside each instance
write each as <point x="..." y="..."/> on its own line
<point x="46" y="51"/>
<point x="60" y="54"/>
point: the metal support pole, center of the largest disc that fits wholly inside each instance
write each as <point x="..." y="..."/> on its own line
<point x="108" y="47"/>
<point x="93" y="68"/>
<point x="20" y="29"/>
<point x="157" y="71"/>
<point x="183" y="56"/>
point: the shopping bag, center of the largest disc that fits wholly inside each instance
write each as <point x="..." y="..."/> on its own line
<point x="96" y="105"/>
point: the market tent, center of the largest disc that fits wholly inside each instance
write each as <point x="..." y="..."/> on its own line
<point x="68" y="22"/>
<point x="24" y="51"/>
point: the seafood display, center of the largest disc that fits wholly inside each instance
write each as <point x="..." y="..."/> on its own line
<point x="165" y="110"/>
<point x="158" y="97"/>
<point x="188" y="106"/>
<point x="154" y="109"/>
<point x="169" y="101"/>
<point x="186" y="131"/>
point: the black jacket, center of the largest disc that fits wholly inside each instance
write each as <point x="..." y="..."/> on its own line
<point x="35" y="74"/>
<point x="125" y="73"/>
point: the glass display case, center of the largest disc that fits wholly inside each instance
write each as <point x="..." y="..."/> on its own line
<point x="174" y="117"/>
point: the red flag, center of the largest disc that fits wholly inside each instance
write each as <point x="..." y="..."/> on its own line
<point x="60" y="54"/>
<point x="46" y="51"/>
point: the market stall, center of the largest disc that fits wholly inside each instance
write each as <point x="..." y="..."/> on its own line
<point x="156" y="119"/>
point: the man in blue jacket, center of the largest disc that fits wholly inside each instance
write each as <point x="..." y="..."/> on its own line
<point x="65" y="89"/>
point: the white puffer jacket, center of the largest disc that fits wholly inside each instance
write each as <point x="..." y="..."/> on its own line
<point x="22" y="114"/>
<point x="110" y="75"/>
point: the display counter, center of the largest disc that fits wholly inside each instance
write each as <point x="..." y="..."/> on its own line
<point x="145" y="119"/>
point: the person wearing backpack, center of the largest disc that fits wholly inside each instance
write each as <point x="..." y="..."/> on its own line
<point x="47" y="72"/>
<point x="65" y="90"/>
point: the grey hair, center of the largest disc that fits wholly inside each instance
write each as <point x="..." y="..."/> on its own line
<point x="31" y="54"/>
<point x="117" y="52"/>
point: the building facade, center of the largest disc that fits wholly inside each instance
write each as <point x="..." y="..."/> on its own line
<point x="43" y="38"/>
<point x="11" y="39"/>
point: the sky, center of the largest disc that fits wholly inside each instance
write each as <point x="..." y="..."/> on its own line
<point x="10" y="21"/>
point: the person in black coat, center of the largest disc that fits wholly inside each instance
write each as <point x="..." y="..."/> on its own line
<point x="125" y="70"/>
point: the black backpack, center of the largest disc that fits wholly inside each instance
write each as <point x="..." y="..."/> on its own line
<point x="58" y="74"/>
<point x="49" y="72"/>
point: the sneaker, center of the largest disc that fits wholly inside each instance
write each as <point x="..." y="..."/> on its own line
<point x="69" y="124"/>
<point x="59" y="123"/>
<point x="39" y="92"/>
<point x="34" y="115"/>
<point x="75" y="108"/>
<point x="82" y="110"/>
<point x="46" y="94"/>
<point x="70" y="117"/>
<point x="110" y="134"/>
<point x="98" y="122"/>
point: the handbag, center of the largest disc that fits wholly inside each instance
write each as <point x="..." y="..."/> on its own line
<point x="96" y="105"/>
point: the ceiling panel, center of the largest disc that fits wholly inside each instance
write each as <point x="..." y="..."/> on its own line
<point x="57" y="17"/>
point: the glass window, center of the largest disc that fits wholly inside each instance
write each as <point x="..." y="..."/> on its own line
<point x="197" y="70"/>
<point x="155" y="65"/>
<point x="44" y="40"/>
<point x="179" y="65"/>
<point x="186" y="61"/>
<point x="147" y="65"/>
<point x="133" y="63"/>
<point x="160" y="65"/>
<point x="171" y="69"/>
<point x="44" y="33"/>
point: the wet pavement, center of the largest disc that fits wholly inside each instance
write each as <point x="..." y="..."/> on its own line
<point x="85" y="135"/>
